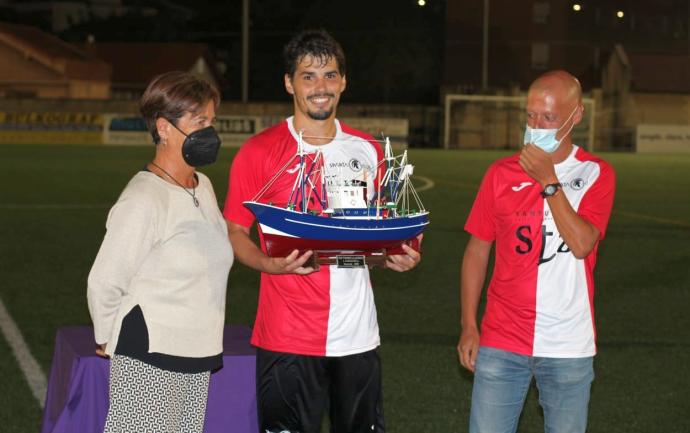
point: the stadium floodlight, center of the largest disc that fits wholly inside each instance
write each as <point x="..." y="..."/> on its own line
<point x="498" y="122"/>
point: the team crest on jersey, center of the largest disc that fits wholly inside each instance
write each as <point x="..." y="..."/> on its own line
<point x="578" y="183"/>
<point x="355" y="165"/>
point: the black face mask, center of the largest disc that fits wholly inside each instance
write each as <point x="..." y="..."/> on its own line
<point x="201" y="147"/>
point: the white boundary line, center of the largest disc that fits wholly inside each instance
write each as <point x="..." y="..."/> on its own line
<point x="428" y="183"/>
<point x="27" y="363"/>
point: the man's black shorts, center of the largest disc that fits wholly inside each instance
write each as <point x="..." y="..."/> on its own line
<point x="293" y="391"/>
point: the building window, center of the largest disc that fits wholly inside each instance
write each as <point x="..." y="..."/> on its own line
<point x="540" y="55"/>
<point x="540" y="12"/>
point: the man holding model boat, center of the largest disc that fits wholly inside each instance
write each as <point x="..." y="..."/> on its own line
<point x="316" y="330"/>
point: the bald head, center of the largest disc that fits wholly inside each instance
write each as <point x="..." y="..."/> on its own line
<point x="563" y="86"/>
<point x="554" y="101"/>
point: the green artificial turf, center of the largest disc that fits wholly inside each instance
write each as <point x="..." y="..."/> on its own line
<point x="54" y="202"/>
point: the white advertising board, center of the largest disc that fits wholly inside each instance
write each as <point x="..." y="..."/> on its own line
<point x="663" y="138"/>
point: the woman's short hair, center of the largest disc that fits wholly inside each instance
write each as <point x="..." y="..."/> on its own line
<point x="316" y="43"/>
<point x="173" y="94"/>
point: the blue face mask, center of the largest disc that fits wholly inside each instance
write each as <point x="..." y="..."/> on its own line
<point x="546" y="138"/>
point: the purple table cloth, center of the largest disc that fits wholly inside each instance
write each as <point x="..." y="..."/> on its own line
<point x="77" y="397"/>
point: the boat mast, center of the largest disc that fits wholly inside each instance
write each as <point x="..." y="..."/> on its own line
<point x="402" y="177"/>
<point x="390" y="169"/>
<point x="301" y="177"/>
<point x="298" y="186"/>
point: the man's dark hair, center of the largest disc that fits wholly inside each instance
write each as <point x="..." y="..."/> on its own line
<point x="316" y="43"/>
<point x="173" y="94"/>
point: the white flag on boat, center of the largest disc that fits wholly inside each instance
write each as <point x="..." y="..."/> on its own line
<point x="406" y="171"/>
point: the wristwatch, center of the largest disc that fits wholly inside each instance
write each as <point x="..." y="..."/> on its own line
<point x="550" y="189"/>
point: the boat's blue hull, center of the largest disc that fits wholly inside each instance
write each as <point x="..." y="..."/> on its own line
<point x="285" y="230"/>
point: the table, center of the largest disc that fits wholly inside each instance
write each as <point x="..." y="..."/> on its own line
<point x="77" y="397"/>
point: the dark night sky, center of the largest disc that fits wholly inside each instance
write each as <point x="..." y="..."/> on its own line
<point x="394" y="46"/>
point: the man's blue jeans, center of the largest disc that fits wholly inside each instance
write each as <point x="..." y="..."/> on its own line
<point x="501" y="382"/>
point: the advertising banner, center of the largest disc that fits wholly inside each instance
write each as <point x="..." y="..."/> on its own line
<point x="663" y="138"/>
<point x="50" y="128"/>
<point x="129" y="129"/>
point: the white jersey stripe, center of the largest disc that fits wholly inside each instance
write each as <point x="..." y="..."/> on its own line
<point x="564" y="326"/>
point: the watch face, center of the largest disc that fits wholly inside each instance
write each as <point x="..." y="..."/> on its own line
<point x="550" y="190"/>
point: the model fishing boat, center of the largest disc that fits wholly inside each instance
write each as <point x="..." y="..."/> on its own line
<point x="342" y="221"/>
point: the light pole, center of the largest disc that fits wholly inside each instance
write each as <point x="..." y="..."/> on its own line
<point x="245" y="51"/>
<point x="485" y="48"/>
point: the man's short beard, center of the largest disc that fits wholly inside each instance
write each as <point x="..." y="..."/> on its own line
<point x="320" y="115"/>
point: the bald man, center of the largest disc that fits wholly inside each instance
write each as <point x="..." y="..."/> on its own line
<point x="546" y="209"/>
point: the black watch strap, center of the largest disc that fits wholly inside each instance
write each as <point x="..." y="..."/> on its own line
<point x="550" y="189"/>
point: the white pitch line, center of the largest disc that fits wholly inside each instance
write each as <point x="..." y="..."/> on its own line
<point x="28" y="364"/>
<point x="428" y="183"/>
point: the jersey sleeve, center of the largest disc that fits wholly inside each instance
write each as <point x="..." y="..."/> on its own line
<point x="244" y="182"/>
<point x="481" y="220"/>
<point x="597" y="203"/>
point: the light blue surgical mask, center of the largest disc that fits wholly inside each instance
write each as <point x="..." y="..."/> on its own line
<point x="546" y="138"/>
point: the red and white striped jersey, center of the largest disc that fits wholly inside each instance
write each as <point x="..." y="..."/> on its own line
<point x="327" y="313"/>
<point x="540" y="298"/>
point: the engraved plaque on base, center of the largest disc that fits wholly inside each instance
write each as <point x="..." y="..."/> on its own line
<point x="350" y="261"/>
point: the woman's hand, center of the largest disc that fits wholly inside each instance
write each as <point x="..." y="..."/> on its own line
<point x="100" y="350"/>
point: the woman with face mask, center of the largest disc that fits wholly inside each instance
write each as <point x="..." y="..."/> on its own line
<point x="156" y="291"/>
